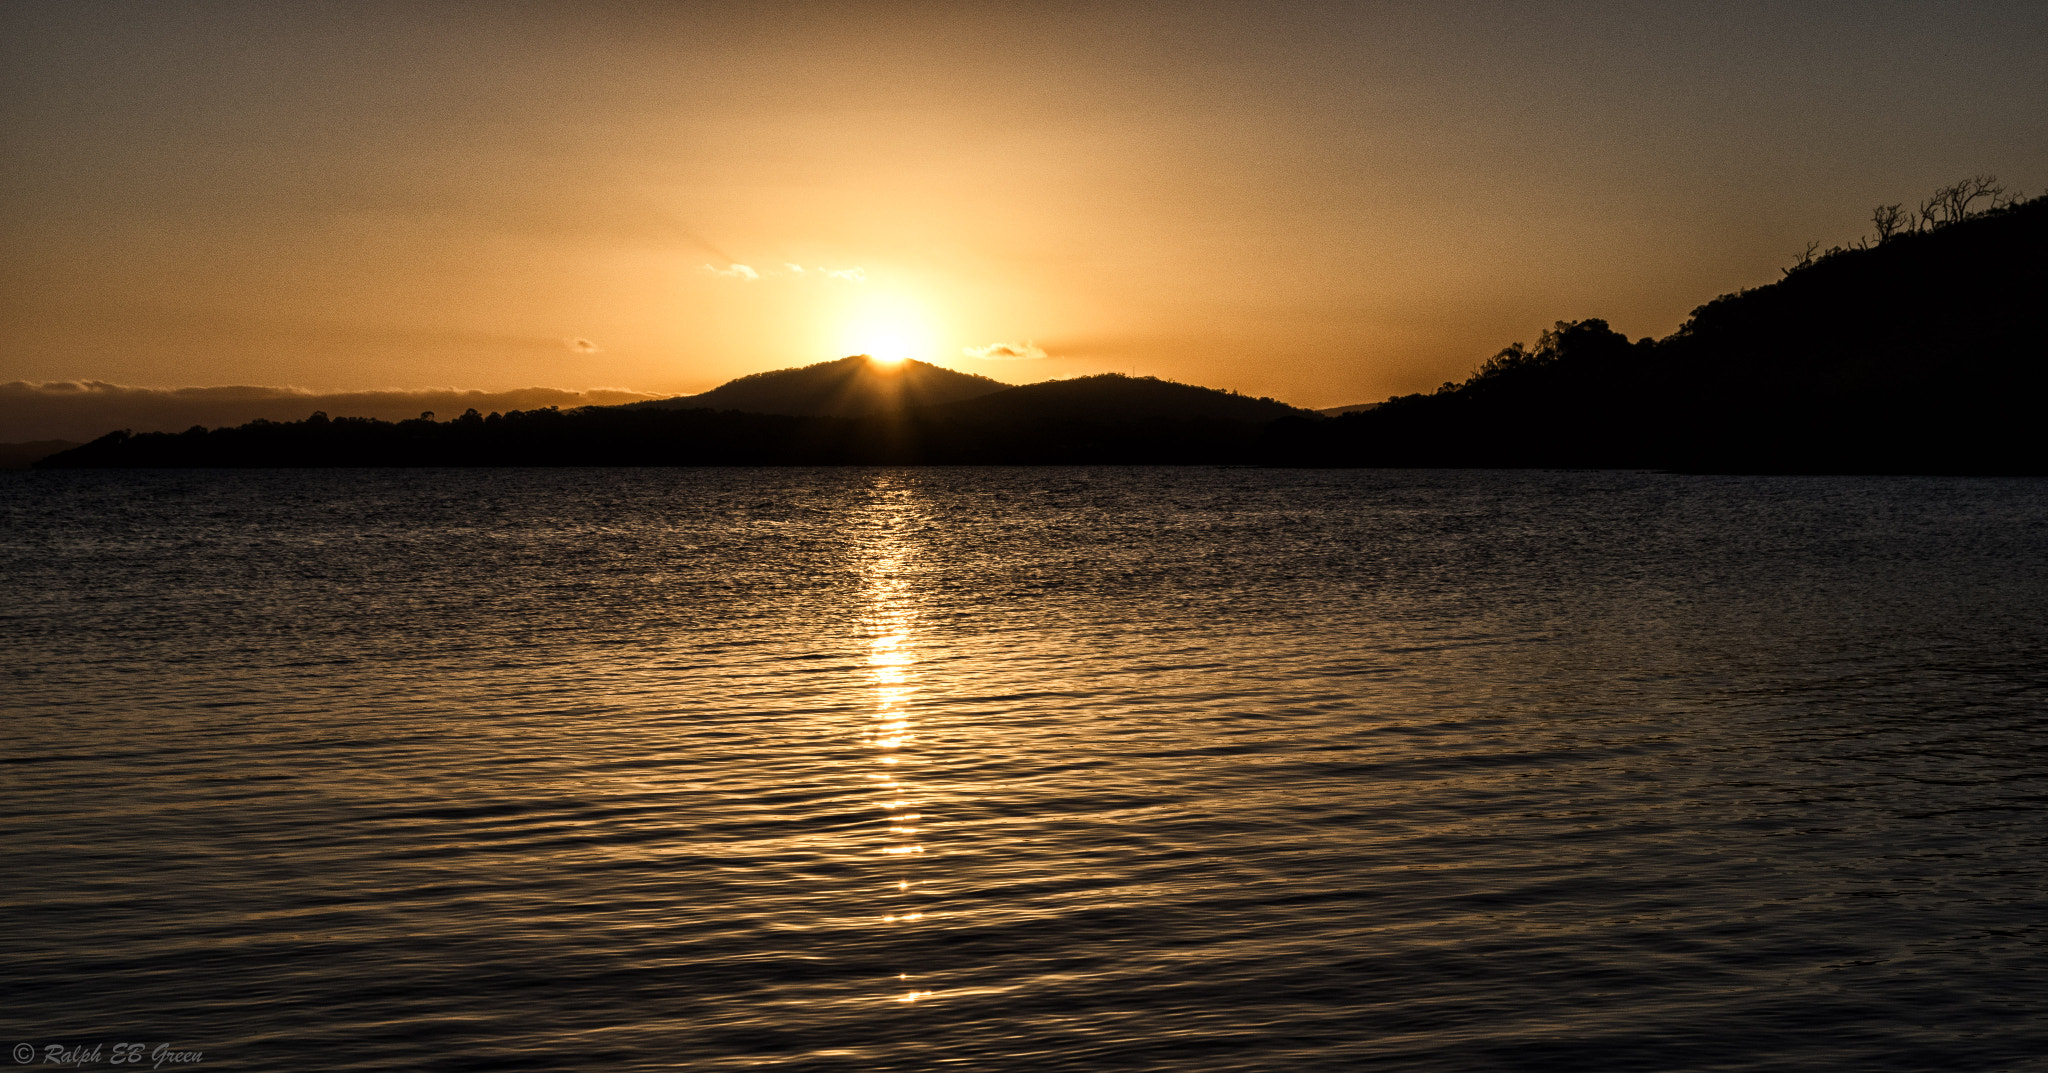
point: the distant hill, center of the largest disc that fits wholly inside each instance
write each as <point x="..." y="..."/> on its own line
<point x="1092" y="420"/>
<point x="849" y="387"/>
<point x="1115" y="397"/>
<point x="1339" y="411"/>
<point x="82" y="410"/>
<point x="1920" y="353"/>
<point x="24" y="455"/>
<point x="1110" y="418"/>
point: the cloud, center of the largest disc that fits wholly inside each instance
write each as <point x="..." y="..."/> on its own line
<point x="581" y="345"/>
<point x="88" y="409"/>
<point x="856" y="274"/>
<point x="1025" y="350"/>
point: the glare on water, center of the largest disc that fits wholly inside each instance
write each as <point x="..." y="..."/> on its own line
<point x="888" y="617"/>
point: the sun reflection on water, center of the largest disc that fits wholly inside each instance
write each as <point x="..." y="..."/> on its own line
<point x="887" y="623"/>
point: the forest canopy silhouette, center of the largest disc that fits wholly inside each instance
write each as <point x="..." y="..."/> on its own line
<point x="1916" y="350"/>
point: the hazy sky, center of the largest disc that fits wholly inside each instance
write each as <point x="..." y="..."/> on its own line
<point x="1327" y="203"/>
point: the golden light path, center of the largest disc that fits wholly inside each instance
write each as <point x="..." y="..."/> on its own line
<point x="887" y="623"/>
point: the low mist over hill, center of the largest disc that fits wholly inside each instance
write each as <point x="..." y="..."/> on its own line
<point x="849" y="387"/>
<point x="83" y="410"/>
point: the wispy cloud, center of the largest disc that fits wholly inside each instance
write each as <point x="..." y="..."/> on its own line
<point x="1026" y="350"/>
<point x="789" y="269"/>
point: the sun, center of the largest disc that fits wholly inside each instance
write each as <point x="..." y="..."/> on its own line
<point x="889" y="330"/>
<point x="887" y="349"/>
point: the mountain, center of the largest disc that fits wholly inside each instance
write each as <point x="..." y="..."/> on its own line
<point x="849" y="387"/>
<point x="1115" y="397"/>
<point x="1921" y="353"/>
<point x="1092" y="420"/>
<point x="81" y="410"/>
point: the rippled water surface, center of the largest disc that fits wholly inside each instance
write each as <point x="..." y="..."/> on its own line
<point x="1025" y="769"/>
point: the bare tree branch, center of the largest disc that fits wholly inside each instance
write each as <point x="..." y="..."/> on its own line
<point x="1805" y="259"/>
<point x="1951" y="204"/>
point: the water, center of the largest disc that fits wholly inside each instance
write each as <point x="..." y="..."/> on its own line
<point x="1025" y="769"/>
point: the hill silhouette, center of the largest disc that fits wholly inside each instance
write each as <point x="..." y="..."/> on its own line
<point x="1108" y="418"/>
<point x="1918" y="353"/>
<point x="25" y="455"/>
<point x="1921" y="352"/>
<point x="849" y="387"/>
<point x="1115" y="397"/>
<point x="1097" y="419"/>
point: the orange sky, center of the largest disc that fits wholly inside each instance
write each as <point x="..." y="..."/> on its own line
<point x="1324" y="203"/>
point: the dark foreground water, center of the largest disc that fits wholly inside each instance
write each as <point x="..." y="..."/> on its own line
<point x="1025" y="770"/>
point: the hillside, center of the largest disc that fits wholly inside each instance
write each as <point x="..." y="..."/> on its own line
<point x="849" y="387"/>
<point x="1093" y="420"/>
<point x="1115" y="397"/>
<point x="1920" y="353"/>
